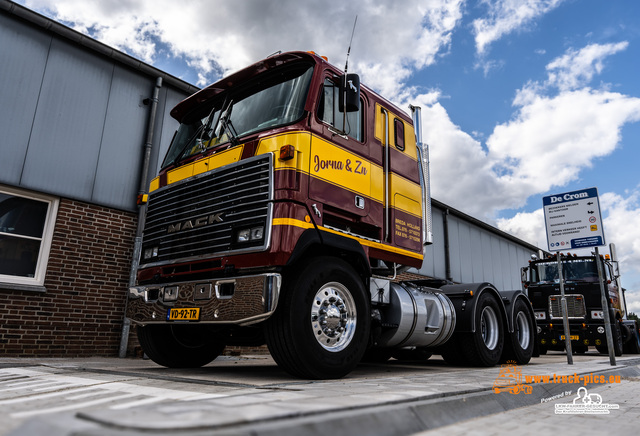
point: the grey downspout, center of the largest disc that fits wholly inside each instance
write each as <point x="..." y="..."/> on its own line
<point x="447" y="255"/>
<point x="137" y="246"/>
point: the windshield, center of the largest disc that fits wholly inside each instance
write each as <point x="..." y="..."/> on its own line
<point x="572" y="270"/>
<point x="266" y="102"/>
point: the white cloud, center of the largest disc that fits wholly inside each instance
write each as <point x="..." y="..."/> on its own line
<point x="507" y="16"/>
<point x="461" y="175"/>
<point x="577" y="67"/>
<point x="553" y="137"/>
<point x="528" y="226"/>
<point x="622" y="216"/>
<point x="123" y="24"/>
<point x="554" y="134"/>
<point x="222" y="36"/>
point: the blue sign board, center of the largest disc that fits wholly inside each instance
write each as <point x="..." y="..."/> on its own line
<point x="573" y="220"/>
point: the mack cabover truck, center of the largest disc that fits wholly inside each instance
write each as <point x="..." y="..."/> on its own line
<point x="290" y="199"/>
<point x="583" y="294"/>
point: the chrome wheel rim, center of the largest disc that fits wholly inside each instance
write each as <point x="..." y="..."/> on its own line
<point x="333" y="317"/>
<point x="489" y="326"/>
<point x="522" y="330"/>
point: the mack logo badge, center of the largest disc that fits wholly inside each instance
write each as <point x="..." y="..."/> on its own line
<point x="194" y="223"/>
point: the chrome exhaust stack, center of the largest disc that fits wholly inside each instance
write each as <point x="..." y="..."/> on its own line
<point x="423" y="160"/>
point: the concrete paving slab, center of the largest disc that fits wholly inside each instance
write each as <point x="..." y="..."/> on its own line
<point x="132" y="397"/>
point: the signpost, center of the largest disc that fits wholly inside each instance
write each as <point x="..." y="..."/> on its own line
<point x="573" y="221"/>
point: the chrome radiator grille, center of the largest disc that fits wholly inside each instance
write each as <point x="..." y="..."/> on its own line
<point x="575" y="306"/>
<point x="200" y="216"/>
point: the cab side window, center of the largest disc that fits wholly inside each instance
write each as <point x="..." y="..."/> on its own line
<point x="398" y="130"/>
<point x="329" y="112"/>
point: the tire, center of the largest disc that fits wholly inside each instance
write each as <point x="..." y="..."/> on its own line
<point x="179" y="346"/>
<point x="633" y="345"/>
<point x="484" y="346"/>
<point x="519" y="346"/>
<point x="617" y="342"/>
<point x="320" y="329"/>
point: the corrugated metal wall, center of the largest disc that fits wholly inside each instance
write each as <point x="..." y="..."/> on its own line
<point x="474" y="251"/>
<point x="72" y="122"/>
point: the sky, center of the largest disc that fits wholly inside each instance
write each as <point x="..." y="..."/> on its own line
<point x="520" y="98"/>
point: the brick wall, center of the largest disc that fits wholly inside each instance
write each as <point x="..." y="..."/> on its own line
<point x="87" y="276"/>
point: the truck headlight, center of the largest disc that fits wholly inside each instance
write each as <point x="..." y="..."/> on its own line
<point x="257" y="233"/>
<point x="251" y="234"/>
<point x="597" y="314"/>
<point x="149" y="253"/>
<point x="540" y="315"/>
<point x="244" y="235"/>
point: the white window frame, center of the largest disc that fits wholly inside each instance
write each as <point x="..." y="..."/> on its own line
<point x="45" y="244"/>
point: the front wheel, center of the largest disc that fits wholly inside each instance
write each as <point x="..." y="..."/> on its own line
<point x="617" y="340"/>
<point x="179" y="346"/>
<point x="616" y="335"/>
<point x="321" y="326"/>
<point x="633" y="343"/>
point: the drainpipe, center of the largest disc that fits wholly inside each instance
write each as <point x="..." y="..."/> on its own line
<point x="137" y="246"/>
<point x="447" y="254"/>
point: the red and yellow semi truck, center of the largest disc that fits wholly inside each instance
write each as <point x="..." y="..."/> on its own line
<point x="290" y="198"/>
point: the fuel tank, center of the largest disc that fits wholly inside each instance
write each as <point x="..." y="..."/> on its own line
<point x="416" y="316"/>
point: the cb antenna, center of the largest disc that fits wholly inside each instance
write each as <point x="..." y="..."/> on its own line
<point x="344" y="85"/>
<point x="346" y="65"/>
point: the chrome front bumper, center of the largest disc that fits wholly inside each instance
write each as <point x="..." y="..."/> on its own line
<point x="240" y="300"/>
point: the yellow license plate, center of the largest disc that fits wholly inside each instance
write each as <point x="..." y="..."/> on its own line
<point x="571" y="337"/>
<point x="184" y="314"/>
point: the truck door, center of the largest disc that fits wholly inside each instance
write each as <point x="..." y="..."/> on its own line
<point x="402" y="197"/>
<point x="612" y="287"/>
<point x="340" y="170"/>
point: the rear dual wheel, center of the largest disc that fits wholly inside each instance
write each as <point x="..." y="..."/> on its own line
<point x="484" y="345"/>
<point x="519" y="345"/>
<point x="488" y="340"/>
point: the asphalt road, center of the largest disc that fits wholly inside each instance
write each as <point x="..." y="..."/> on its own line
<point x="251" y="395"/>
